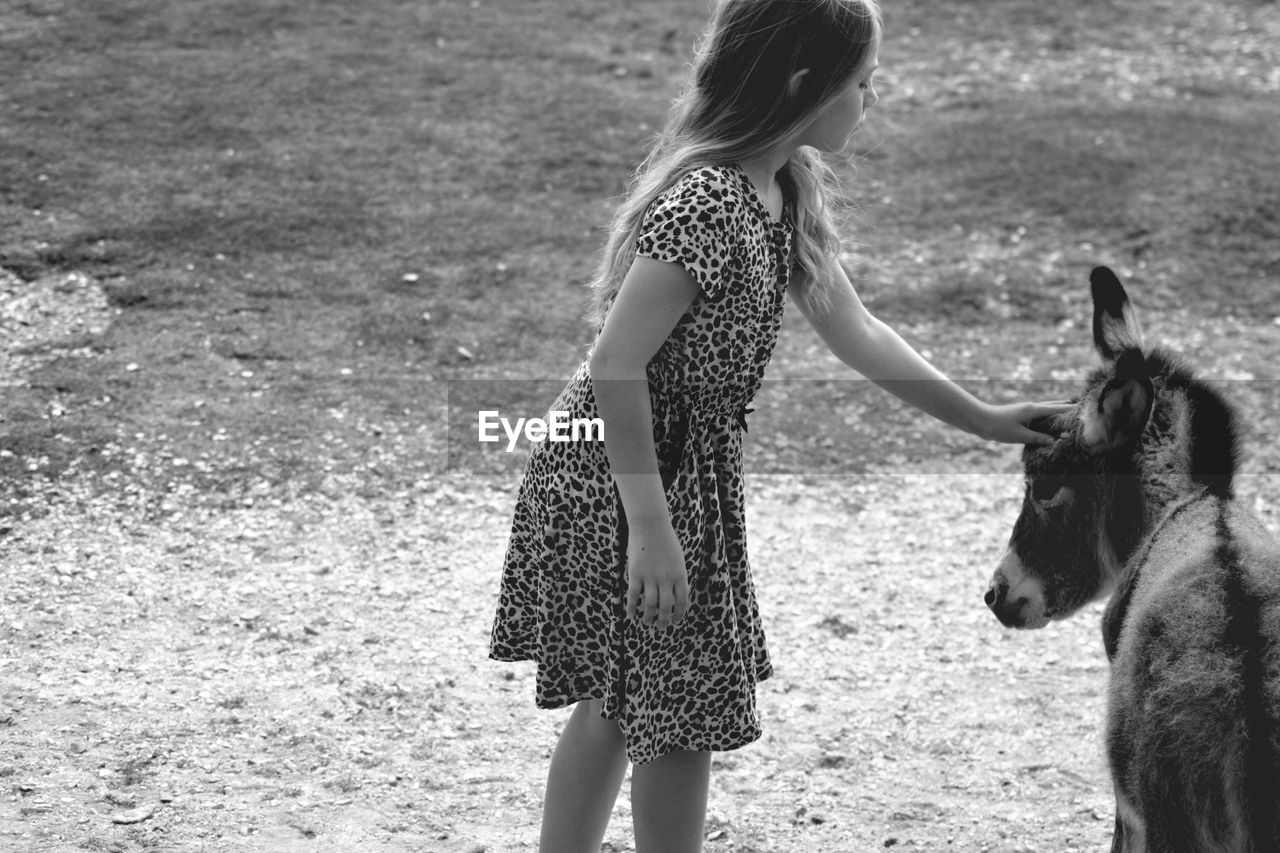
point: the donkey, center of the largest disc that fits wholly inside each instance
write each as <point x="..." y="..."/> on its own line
<point x="1135" y="501"/>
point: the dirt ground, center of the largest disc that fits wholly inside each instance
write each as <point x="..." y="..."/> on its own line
<point x="313" y="677"/>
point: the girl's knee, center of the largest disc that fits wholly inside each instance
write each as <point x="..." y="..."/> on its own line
<point x="590" y="713"/>
<point x="689" y="756"/>
<point x="681" y="761"/>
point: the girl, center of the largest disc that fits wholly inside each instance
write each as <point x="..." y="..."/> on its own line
<point x="626" y="577"/>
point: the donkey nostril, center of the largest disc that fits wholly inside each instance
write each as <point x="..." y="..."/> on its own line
<point x="994" y="596"/>
<point x="990" y="597"/>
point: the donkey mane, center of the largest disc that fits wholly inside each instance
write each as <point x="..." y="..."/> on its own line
<point x="1215" y="439"/>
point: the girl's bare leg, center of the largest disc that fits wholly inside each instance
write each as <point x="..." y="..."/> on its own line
<point x="582" y="785"/>
<point x="669" y="802"/>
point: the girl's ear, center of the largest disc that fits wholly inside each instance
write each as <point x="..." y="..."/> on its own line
<point x="793" y="86"/>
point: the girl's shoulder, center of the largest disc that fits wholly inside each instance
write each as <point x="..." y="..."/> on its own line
<point x="712" y="188"/>
<point x="722" y="177"/>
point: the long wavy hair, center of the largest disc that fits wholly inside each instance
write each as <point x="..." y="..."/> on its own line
<point x="739" y="103"/>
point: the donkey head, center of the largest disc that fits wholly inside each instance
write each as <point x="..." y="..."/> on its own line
<point x="1082" y="492"/>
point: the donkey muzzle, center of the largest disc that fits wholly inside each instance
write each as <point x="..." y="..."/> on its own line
<point x="1014" y="597"/>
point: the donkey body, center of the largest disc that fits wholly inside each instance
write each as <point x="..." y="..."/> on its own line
<point x="1136" y="501"/>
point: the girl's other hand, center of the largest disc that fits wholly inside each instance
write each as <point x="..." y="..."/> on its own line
<point x="1008" y="423"/>
<point x="657" y="583"/>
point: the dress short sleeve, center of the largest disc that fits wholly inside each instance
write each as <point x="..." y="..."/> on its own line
<point x="690" y="225"/>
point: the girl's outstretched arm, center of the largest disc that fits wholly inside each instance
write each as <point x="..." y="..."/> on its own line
<point x="650" y="302"/>
<point x="877" y="352"/>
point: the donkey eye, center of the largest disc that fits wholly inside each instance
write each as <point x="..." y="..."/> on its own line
<point x="1044" y="489"/>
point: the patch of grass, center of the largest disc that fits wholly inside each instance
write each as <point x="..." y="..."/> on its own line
<point x="1110" y="176"/>
<point x="311" y="216"/>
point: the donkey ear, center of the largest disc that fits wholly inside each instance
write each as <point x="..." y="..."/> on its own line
<point x="1122" y="409"/>
<point x="1115" y="324"/>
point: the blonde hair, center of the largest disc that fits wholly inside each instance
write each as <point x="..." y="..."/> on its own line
<point x="739" y="103"/>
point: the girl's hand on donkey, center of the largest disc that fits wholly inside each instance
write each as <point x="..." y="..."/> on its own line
<point x="1010" y="422"/>
<point x="657" y="584"/>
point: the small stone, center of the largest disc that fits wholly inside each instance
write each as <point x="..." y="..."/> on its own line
<point x="132" y="816"/>
<point x="832" y="761"/>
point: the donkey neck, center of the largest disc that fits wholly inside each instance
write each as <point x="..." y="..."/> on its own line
<point x="1136" y="563"/>
<point x="1166" y="480"/>
<point x="1165" y="456"/>
<point x="1149" y="479"/>
<point x="1191" y="441"/>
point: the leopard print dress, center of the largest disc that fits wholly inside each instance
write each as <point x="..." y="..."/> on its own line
<point x="561" y="600"/>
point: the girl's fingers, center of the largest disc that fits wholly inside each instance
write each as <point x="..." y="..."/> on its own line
<point x="664" y="611"/>
<point x="681" y="608"/>
<point x="650" y="607"/>
<point x="657" y="606"/>
<point x="681" y="604"/>
<point x="674" y="605"/>
<point x="1039" y="438"/>
<point x="1038" y="410"/>
<point x="1052" y="409"/>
